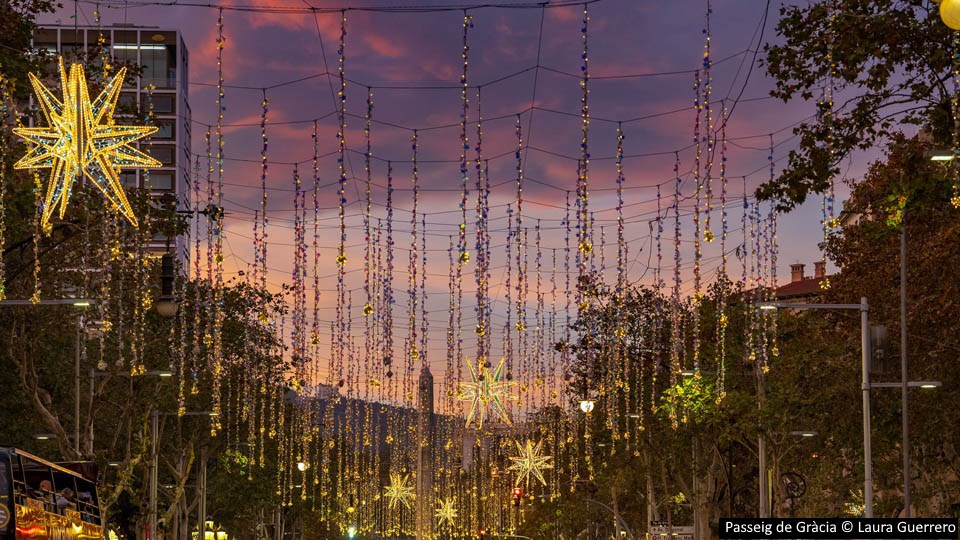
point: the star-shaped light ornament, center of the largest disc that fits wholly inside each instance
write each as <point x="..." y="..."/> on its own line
<point x="447" y="512"/>
<point x="529" y="462"/>
<point x="486" y="391"/>
<point x="399" y="491"/>
<point x="81" y="140"/>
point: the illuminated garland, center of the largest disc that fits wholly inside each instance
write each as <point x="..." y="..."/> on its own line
<point x="462" y="255"/>
<point x="509" y="325"/>
<point x="676" y="344"/>
<point x="424" y="313"/>
<point x="722" y="316"/>
<point x="622" y="379"/>
<point x="520" y="263"/>
<point x="216" y="282"/>
<point x="699" y="138"/>
<point x="413" y="354"/>
<point x="342" y="310"/>
<point x="482" y="249"/>
<point x="261" y="255"/>
<point x="368" y="308"/>
<point x="539" y="345"/>
<point x="709" y="135"/>
<point x="955" y="110"/>
<point x="388" y="285"/>
<point x="829" y="222"/>
<point x="6" y="103"/>
<point x="583" y="197"/>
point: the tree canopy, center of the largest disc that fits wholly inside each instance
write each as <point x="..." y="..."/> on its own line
<point x="872" y="68"/>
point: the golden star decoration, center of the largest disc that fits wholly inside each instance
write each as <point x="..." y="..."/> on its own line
<point x="529" y="462"/>
<point x="82" y="141"/>
<point x="486" y="390"/>
<point x="447" y="512"/>
<point x="399" y="490"/>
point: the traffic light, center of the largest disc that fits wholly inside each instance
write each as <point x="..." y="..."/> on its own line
<point x="517" y="495"/>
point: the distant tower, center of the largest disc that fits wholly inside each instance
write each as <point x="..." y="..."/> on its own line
<point x="425" y="498"/>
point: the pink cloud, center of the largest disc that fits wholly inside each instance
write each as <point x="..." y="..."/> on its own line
<point x="382" y="45"/>
<point x="564" y="14"/>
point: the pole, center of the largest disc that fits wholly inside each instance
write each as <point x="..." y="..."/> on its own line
<point x="76" y="387"/>
<point x="903" y="369"/>
<point x="154" y="430"/>
<point x="93" y="389"/>
<point x="202" y="510"/>
<point x="764" y="488"/>
<point x="867" y="457"/>
<point x="762" y="449"/>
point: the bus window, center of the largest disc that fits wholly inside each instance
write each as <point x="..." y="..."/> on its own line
<point x="87" y="502"/>
<point x="65" y="491"/>
<point x="38" y="481"/>
<point x="16" y="478"/>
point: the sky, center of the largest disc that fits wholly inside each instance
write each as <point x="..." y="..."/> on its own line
<point x="527" y="62"/>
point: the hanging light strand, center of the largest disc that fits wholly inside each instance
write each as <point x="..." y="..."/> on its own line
<point x="342" y="315"/>
<point x="583" y="194"/>
<point x="709" y="137"/>
<point x="722" y="316"/>
<point x="955" y="109"/>
<point x="217" y="282"/>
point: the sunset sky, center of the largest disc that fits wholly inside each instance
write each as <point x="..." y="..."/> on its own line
<point x="641" y="61"/>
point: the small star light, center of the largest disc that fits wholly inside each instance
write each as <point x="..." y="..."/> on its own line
<point x="486" y="390"/>
<point x="82" y="141"/>
<point x="399" y="490"/>
<point x="446" y="513"/>
<point x="529" y="462"/>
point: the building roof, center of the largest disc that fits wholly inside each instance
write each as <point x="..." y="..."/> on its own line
<point x="799" y="289"/>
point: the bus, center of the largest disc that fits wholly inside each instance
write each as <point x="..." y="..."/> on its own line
<point x="40" y="500"/>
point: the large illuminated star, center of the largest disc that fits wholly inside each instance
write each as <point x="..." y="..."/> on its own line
<point x="486" y="390"/>
<point x="529" y="462"/>
<point x="82" y="141"/>
<point x="447" y="512"/>
<point x="399" y="490"/>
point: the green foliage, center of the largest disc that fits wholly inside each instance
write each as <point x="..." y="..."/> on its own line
<point x="890" y="62"/>
<point x="690" y="400"/>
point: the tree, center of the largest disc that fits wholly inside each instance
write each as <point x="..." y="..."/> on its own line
<point x="905" y="189"/>
<point x="890" y="65"/>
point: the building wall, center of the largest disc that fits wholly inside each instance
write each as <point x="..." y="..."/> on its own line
<point x="163" y="89"/>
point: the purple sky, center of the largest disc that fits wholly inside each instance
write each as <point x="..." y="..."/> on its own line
<point x="639" y="46"/>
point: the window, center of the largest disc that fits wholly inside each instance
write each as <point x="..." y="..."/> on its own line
<point x="163" y="153"/>
<point x="128" y="180"/>
<point x="162" y="103"/>
<point x="159" y="65"/>
<point x="125" y="54"/>
<point x="165" y="130"/>
<point x="160" y="180"/>
<point x="127" y="103"/>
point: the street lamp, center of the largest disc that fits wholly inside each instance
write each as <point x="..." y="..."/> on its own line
<point x="586" y="405"/>
<point x="863" y="308"/>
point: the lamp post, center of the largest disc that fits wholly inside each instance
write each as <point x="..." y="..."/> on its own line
<point x="863" y="308"/>
<point x="154" y="436"/>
